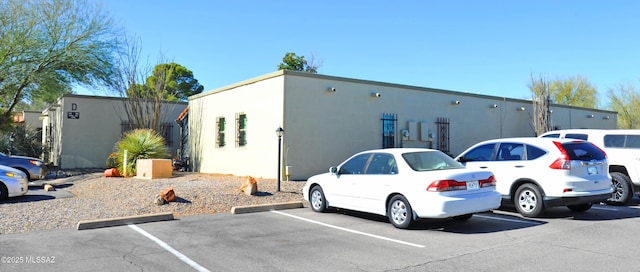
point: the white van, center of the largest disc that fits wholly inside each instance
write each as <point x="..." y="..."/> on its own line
<point x="623" y="151"/>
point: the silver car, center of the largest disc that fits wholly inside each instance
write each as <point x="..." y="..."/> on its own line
<point x="13" y="182"/>
<point x="33" y="168"/>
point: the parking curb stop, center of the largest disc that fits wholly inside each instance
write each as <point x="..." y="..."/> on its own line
<point x="266" y="207"/>
<point x="120" y="221"/>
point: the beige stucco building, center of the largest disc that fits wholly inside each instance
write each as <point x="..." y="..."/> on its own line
<point x="81" y="131"/>
<point x="28" y="118"/>
<point x="326" y="119"/>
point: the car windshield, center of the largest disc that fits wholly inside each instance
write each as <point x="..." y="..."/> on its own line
<point x="430" y="160"/>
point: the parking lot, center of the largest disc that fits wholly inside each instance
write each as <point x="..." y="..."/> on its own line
<point x="604" y="238"/>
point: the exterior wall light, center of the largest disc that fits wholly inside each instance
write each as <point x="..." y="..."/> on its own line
<point x="378" y="95"/>
<point x="331" y="89"/>
<point x="494" y="106"/>
<point x="521" y="109"/>
<point x="590" y="116"/>
<point x="606" y="117"/>
<point x="455" y="102"/>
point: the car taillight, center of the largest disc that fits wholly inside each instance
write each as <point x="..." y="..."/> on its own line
<point x="490" y="182"/>
<point x="36" y="163"/>
<point x="561" y="162"/>
<point x="446" y="185"/>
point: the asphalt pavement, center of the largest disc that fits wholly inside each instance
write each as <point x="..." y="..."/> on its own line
<point x="602" y="239"/>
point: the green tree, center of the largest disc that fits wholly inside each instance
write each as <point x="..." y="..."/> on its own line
<point x="297" y="63"/>
<point x="48" y="45"/>
<point x="574" y="91"/>
<point x="625" y="99"/>
<point x="179" y="81"/>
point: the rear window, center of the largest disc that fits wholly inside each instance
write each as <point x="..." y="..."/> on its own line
<point x="430" y="160"/>
<point x="583" y="151"/>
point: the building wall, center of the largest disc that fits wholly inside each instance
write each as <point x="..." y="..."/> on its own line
<point x="28" y="118"/>
<point x="324" y="127"/>
<point x="85" y="129"/>
<point x="262" y="102"/>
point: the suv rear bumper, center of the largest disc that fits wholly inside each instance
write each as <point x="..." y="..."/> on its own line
<point x="564" y="201"/>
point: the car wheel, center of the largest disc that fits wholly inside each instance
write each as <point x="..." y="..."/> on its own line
<point x="580" y="207"/>
<point x="622" y="193"/>
<point x="528" y="200"/>
<point x="4" y="192"/>
<point x="400" y="212"/>
<point x="463" y="217"/>
<point x="318" y="202"/>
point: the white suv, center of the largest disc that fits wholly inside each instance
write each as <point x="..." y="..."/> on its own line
<point x="536" y="173"/>
<point x="622" y="147"/>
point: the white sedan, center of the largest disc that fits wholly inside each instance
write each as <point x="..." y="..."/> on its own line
<point x="405" y="184"/>
<point x="13" y="182"/>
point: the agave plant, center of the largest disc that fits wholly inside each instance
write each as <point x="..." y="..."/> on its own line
<point x="139" y="144"/>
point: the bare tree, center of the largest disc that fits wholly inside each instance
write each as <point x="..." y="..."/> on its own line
<point x="541" y="119"/>
<point x="144" y="103"/>
<point x="313" y="64"/>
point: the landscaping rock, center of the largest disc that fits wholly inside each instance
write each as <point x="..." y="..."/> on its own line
<point x="48" y="188"/>
<point x="168" y="195"/>
<point x="250" y="186"/>
<point x="159" y="200"/>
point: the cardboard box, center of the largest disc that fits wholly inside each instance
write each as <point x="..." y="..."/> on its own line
<point x="153" y="168"/>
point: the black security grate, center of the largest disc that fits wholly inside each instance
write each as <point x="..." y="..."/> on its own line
<point x="389" y="123"/>
<point x="443" y="134"/>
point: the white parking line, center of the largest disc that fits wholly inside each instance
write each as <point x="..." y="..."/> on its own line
<point x="350" y="230"/>
<point x="603" y="208"/>
<point x="507" y="219"/>
<point x="164" y="245"/>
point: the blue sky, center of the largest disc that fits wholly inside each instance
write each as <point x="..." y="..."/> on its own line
<point x="484" y="47"/>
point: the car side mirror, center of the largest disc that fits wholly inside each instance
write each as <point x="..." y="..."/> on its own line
<point x="333" y="169"/>
<point x="461" y="160"/>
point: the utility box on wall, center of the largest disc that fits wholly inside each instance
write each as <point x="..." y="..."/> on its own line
<point x="153" y="168"/>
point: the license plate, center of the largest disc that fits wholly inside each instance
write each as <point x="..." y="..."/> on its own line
<point x="473" y="185"/>
<point x="592" y="170"/>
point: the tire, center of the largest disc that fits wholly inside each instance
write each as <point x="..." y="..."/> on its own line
<point x="399" y="212"/>
<point x="463" y="217"/>
<point x="622" y="192"/>
<point x="4" y="192"/>
<point x="580" y="207"/>
<point x="528" y="200"/>
<point x="317" y="199"/>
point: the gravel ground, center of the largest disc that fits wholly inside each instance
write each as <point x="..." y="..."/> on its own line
<point x="98" y="197"/>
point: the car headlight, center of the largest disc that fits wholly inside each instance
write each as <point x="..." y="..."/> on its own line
<point x="36" y="163"/>
<point x="14" y="174"/>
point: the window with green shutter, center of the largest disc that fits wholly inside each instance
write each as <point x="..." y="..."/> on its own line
<point x="241" y="129"/>
<point x="220" y="124"/>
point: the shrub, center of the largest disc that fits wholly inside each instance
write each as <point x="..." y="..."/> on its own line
<point x="27" y="142"/>
<point x="140" y="144"/>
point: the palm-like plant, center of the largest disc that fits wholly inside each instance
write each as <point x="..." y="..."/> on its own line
<point x="139" y="144"/>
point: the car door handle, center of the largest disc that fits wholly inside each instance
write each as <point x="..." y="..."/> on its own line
<point x="519" y="166"/>
<point x="483" y="167"/>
